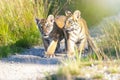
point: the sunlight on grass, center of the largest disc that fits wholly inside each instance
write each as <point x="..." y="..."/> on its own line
<point x="111" y="40"/>
<point x="98" y="76"/>
<point x="17" y="25"/>
<point x="113" y="69"/>
<point x="74" y="69"/>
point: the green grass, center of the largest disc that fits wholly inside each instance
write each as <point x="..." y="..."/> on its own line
<point x="17" y="24"/>
<point x="10" y="49"/>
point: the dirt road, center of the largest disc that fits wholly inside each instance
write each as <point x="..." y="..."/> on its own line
<point x="30" y="65"/>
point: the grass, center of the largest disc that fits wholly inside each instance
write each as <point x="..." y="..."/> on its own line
<point x="17" y="24"/>
<point x="98" y="76"/>
<point x="82" y="70"/>
<point x="8" y="50"/>
<point x="111" y="40"/>
<point x="113" y="70"/>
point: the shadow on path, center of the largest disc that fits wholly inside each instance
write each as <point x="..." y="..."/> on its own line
<point x="32" y="56"/>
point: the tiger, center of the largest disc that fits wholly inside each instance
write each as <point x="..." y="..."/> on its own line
<point x="78" y="34"/>
<point x="51" y="33"/>
<point x="45" y="27"/>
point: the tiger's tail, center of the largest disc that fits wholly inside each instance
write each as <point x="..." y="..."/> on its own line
<point x="100" y="55"/>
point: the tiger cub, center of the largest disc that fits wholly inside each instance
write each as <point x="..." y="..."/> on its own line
<point x="51" y="33"/>
<point x="78" y="34"/>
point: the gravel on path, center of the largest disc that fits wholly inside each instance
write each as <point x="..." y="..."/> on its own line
<point x="30" y="65"/>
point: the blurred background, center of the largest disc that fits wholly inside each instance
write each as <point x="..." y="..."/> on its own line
<point x="94" y="10"/>
<point x="17" y="19"/>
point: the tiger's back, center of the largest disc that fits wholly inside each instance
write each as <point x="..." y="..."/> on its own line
<point x="57" y="32"/>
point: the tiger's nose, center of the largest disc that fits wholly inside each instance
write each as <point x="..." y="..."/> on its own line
<point x="46" y="33"/>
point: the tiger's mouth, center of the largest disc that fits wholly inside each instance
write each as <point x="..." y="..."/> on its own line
<point x="45" y="36"/>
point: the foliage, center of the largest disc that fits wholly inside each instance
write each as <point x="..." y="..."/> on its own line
<point x="17" y="24"/>
<point x="55" y="9"/>
<point x="8" y="50"/>
<point x="111" y="39"/>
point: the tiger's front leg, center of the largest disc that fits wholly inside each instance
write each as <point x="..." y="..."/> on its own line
<point x="51" y="49"/>
<point x="70" y="50"/>
<point x="81" y="46"/>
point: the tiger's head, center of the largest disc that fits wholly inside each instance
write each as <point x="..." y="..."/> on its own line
<point x="72" y="19"/>
<point x="45" y="25"/>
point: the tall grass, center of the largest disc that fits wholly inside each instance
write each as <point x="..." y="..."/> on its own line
<point x="111" y="39"/>
<point x="17" y="25"/>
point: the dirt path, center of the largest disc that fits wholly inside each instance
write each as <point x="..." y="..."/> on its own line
<point x="30" y="65"/>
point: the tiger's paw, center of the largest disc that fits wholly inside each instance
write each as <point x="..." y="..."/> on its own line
<point x="48" y="55"/>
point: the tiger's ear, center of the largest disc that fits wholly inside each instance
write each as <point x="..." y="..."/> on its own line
<point x="68" y="13"/>
<point x="77" y="15"/>
<point x="50" y="19"/>
<point x="37" y="20"/>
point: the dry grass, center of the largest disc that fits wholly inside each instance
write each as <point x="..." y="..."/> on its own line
<point x="111" y="40"/>
<point x="79" y="70"/>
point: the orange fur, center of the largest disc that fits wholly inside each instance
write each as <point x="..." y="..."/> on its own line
<point x="60" y="21"/>
<point x="76" y="16"/>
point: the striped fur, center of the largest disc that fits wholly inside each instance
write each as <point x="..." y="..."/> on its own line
<point x="78" y="34"/>
<point x="51" y="33"/>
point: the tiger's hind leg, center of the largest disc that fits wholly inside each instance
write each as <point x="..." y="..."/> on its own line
<point x="58" y="50"/>
<point x="46" y="43"/>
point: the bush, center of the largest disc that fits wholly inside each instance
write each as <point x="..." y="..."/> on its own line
<point x="17" y="24"/>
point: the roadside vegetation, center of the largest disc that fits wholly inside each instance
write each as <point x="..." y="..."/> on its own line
<point x="17" y="26"/>
<point x="111" y="38"/>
